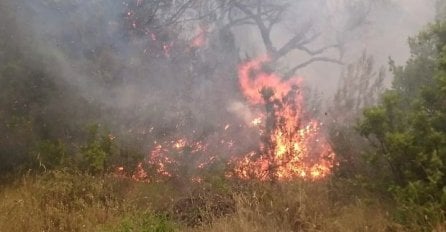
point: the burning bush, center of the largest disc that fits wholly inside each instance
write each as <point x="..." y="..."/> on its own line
<point x="292" y="146"/>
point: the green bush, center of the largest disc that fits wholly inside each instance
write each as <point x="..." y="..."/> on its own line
<point x="409" y="134"/>
<point x="98" y="150"/>
<point x="51" y="155"/>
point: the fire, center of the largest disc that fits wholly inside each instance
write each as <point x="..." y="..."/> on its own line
<point x="199" y="40"/>
<point x="160" y="161"/>
<point x="253" y="79"/>
<point x="180" y="144"/>
<point x="140" y="174"/>
<point x="167" y="158"/>
<point x="256" y="121"/>
<point x="167" y="47"/>
<point x="292" y="147"/>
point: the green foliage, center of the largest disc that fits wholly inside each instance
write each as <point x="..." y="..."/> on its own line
<point x="95" y="156"/>
<point x="97" y="151"/>
<point x="421" y="205"/>
<point x="146" y="222"/>
<point x="50" y="154"/>
<point x="408" y="131"/>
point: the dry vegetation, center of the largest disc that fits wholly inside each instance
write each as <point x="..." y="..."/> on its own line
<point x="64" y="201"/>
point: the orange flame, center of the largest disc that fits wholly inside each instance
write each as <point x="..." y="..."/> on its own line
<point x="291" y="148"/>
<point x="253" y="78"/>
<point x="140" y="174"/>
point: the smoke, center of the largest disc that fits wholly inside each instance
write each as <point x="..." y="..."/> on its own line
<point x="146" y="79"/>
<point x="381" y="28"/>
<point x="382" y="34"/>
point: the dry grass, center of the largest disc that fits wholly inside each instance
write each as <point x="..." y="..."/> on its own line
<point x="62" y="201"/>
<point x="299" y="207"/>
<point x="57" y="202"/>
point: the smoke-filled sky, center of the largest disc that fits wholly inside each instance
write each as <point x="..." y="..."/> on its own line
<point x="73" y="34"/>
<point x="383" y="34"/>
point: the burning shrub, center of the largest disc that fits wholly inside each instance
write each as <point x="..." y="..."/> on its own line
<point x="292" y="146"/>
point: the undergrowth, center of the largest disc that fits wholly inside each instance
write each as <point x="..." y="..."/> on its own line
<point x="71" y="201"/>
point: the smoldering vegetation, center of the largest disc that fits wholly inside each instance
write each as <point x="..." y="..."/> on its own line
<point x="140" y="105"/>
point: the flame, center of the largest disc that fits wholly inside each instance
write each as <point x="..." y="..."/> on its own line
<point x="140" y="174"/>
<point x="160" y="161"/>
<point x="166" y="158"/>
<point x="180" y="144"/>
<point x="256" y="121"/>
<point x="253" y="79"/>
<point x="291" y="147"/>
<point x="167" y="47"/>
<point x="197" y="179"/>
<point x="199" y="40"/>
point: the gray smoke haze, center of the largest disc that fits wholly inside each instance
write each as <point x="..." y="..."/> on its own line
<point x="381" y="28"/>
<point x="87" y="44"/>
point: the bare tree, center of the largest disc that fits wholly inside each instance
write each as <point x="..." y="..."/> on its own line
<point x="265" y="16"/>
<point x="307" y="37"/>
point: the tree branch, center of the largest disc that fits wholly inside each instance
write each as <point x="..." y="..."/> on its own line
<point x="294" y="42"/>
<point x="316" y="52"/>
<point x="264" y="32"/>
<point x="290" y="73"/>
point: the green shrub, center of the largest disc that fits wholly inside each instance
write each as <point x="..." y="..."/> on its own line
<point x="98" y="150"/>
<point x="146" y="222"/>
<point x="50" y="154"/>
<point x="409" y="133"/>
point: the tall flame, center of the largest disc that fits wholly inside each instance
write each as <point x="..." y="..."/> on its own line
<point x="291" y="147"/>
<point x="253" y="78"/>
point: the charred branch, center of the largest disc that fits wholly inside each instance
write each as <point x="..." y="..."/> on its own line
<point x="265" y="16"/>
<point x="265" y="31"/>
<point x="311" y="61"/>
